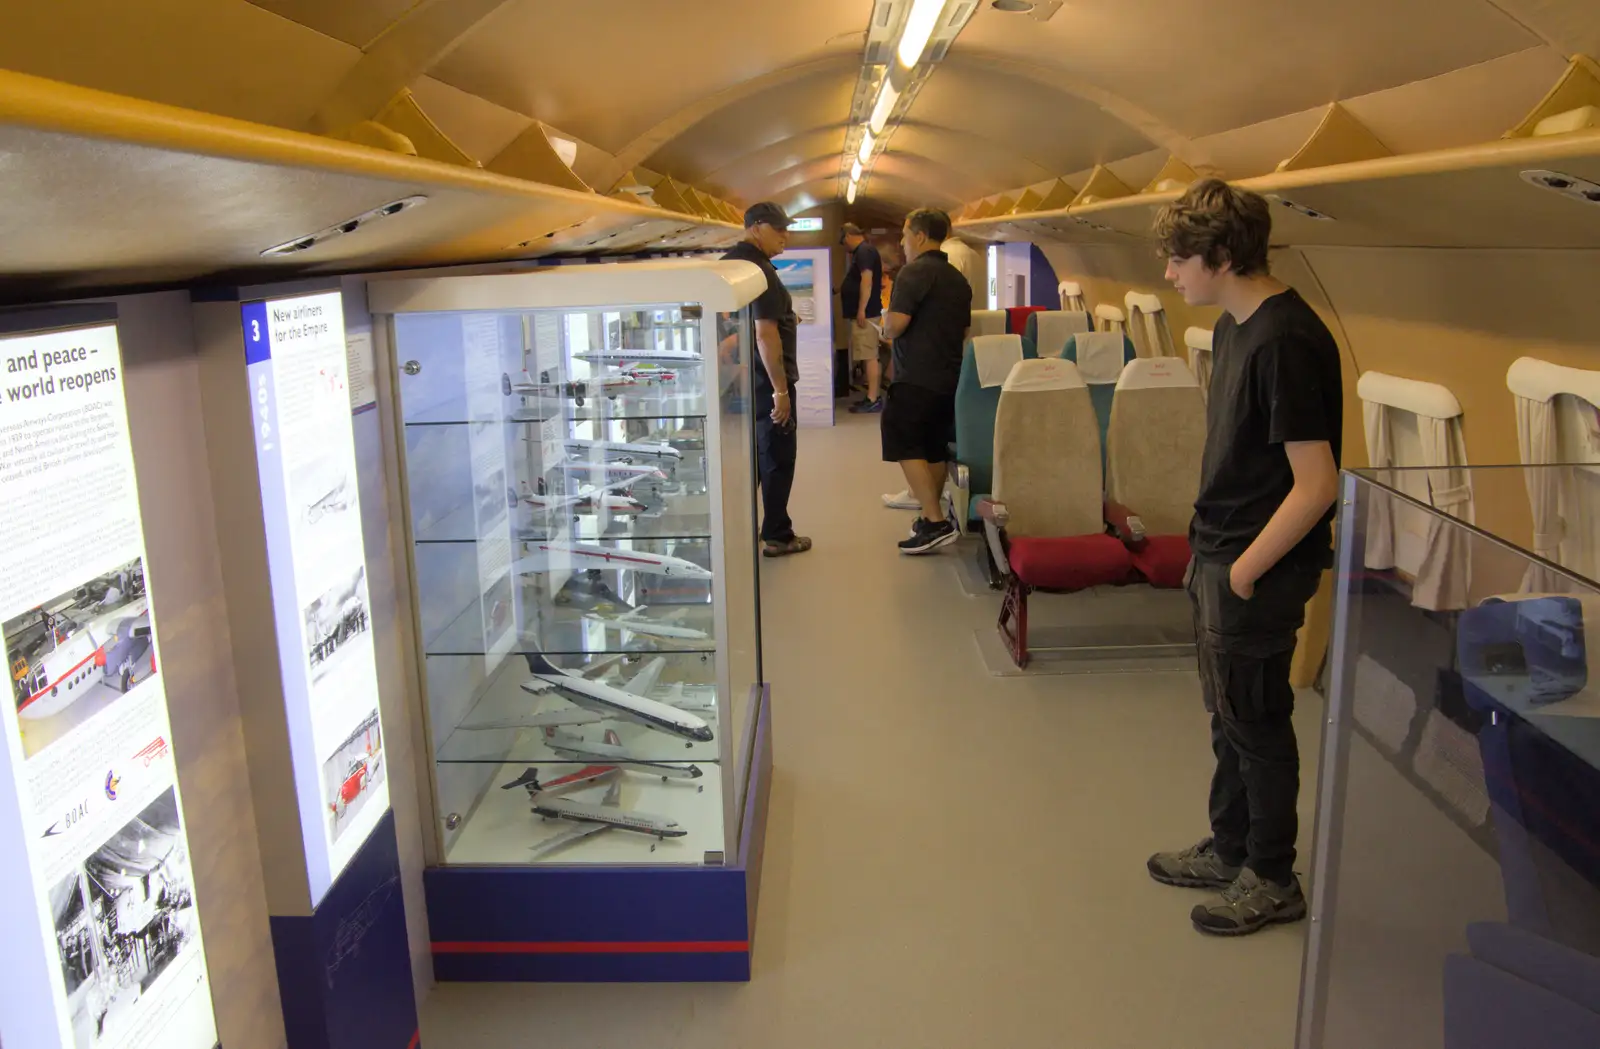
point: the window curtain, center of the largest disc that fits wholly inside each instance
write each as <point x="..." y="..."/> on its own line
<point x="1538" y="442"/>
<point x="1380" y="508"/>
<point x="1442" y="583"/>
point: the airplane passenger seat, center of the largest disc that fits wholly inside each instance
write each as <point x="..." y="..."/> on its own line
<point x="987" y="361"/>
<point x="1045" y="525"/>
<point x="988" y="322"/>
<point x="1100" y="357"/>
<point x="1050" y="330"/>
<point x="1153" y="450"/>
<point x="1110" y="318"/>
<point x="1017" y="318"/>
<point x="1198" y="340"/>
<point x="1147" y="325"/>
<point x="1072" y="299"/>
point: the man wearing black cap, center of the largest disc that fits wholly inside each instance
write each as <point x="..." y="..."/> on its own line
<point x="766" y="233"/>
<point x="861" y="301"/>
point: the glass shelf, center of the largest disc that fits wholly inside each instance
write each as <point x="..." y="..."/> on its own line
<point x="588" y="627"/>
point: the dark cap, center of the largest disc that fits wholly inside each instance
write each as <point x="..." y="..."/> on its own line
<point x="850" y="229"/>
<point x="767" y="212"/>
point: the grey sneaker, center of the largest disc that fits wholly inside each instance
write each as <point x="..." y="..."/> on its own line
<point x="1195" y="868"/>
<point x="1249" y="905"/>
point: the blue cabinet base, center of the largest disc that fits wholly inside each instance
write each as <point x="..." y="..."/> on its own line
<point x="344" y="973"/>
<point x="611" y="924"/>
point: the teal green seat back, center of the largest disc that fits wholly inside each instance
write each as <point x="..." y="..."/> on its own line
<point x="976" y="407"/>
<point x="1101" y="376"/>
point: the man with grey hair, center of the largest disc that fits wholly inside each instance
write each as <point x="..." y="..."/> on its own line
<point x="930" y="314"/>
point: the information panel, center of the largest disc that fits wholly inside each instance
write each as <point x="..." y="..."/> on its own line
<point x="98" y="906"/>
<point x="297" y="368"/>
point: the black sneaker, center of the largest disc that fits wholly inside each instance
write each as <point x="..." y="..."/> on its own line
<point x="927" y="536"/>
<point x="1249" y="905"/>
<point x="865" y="406"/>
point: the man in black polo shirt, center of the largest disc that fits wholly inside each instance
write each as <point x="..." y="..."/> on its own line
<point x="861" y="301"/>
<point x="1260" y="539"/>
<point x="766" y="234"/>
<point x="930" y="311"/>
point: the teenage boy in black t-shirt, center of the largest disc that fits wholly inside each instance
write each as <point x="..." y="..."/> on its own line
<point x="1260" y="539"/>
<point x="930" y="311"/>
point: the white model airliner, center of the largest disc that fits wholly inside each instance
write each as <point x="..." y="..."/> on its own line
<point x="546" y="555"/>
<point x="664" y="627"/>
<point x="615" y="449"/>
<point x="625" y="356"/>
<point x="609" y="473"/>
<point x="593" y="818"/>
<point x="612" y="752"/>
<point x="595" y="701"/>
<point x="611" y="500"/>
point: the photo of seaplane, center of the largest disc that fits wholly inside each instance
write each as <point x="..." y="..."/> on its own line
<point x="336" y="499"/>
<point x="664" y="627"/>
<point x="596" y="701"/>
<point x="550" y="555"/>
<point x="74" y="655"/>
<point x="555" y="801"/>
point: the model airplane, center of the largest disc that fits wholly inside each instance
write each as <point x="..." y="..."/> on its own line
<point x="661" y="628"/>
<point x="587" y="499"/>
<point x="626" y="357"/>
<point x="590" y="819"/>
<point x="620" y="475"/>
<point x="614" y="449"/>
<point x="596" y="701"/>
<point x="607" y="385"/>
<point x="612" y="752"/>
<point x="547" y="555"/>
<point x="651" y="374"/>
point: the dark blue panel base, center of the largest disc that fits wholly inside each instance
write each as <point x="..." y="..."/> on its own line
<point x="608" y="924"/>
<point x="344" y="973"/>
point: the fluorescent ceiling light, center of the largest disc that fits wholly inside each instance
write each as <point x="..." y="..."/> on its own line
<point x="880" y="112"/>
<point x="850" y="194"/>
<point x="919" y="27"/>
<point x="855" y="171"/>
<point x="867" y="142"/>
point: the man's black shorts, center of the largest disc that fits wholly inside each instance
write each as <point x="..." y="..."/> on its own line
<point x="918" y="423"/>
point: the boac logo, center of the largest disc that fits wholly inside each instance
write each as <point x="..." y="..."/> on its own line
<point x="112" y="782"/>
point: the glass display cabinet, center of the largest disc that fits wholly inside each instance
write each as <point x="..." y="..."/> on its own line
<point x="577" y="464"/>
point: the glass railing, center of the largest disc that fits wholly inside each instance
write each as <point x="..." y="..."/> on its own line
<point x="1456" y="877"/>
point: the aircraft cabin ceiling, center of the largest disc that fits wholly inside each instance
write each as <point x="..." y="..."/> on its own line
<point x="742" y="100"/>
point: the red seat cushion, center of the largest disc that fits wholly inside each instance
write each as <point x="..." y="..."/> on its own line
<point x="1071" y="564"/>
<point x="1017" y="318"/>
<point x="1163" y="560"/>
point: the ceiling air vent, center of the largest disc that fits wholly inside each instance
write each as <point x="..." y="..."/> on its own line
<point x="1567" y="185"/>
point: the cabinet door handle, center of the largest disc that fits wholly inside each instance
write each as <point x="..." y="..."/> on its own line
<point x="411" y="367"/>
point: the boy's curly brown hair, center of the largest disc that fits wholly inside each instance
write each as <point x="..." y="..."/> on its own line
<point x="1220" y="224"/>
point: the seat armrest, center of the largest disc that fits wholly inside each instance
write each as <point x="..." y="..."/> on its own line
<point x="991" y="510"/>
<point x="958" y="493"/>
<point x="1126" y="523"/>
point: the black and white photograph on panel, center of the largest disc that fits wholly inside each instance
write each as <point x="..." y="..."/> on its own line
<point x="333" y="619"/>
<point x="492" y="504"/>
<point x="325" y="489"/>
<point x="75" y="654"/>
<point x="353" y="772"/>
<point x="121" y="918"/>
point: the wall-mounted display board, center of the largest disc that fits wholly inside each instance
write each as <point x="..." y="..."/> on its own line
<point x="281" y="445"/>
<point x="102" y="932"/>
<point x="807" y="273"/>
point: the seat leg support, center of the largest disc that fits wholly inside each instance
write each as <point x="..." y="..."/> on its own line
<point x="1014" y="620"/>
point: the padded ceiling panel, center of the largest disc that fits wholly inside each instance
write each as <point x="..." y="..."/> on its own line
<point x="356" y="22"/>
<point x="1057" y="132"/>
<point x="780" y="156"/>
<point x="938" y="179"/>
<point x="779" y="114"/>
<point x="609" y="72"/>
<point x="1571" y="26"/>
<point x="992" y="163"/>
<point x="219" y="56"/>
<point x="1202" y="67"/>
